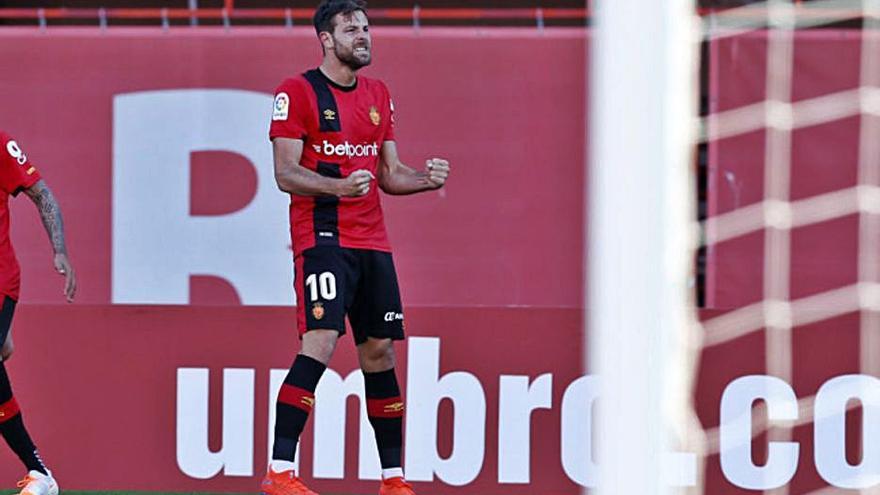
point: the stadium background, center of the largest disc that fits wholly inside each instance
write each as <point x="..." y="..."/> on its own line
<point x="491" y="268"/>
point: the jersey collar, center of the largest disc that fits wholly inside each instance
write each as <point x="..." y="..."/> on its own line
<point x="331" y="82"/>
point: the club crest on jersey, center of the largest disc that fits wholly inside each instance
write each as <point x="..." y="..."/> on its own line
<point x="375" y="118"/>
<point x="329" y="114"/>
<point x="318" y="311"/>
<point x="281" y="108"/>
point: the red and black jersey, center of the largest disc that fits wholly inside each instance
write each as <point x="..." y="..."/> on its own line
<point x="16" y="174"/>
<point x="342" y="129"/>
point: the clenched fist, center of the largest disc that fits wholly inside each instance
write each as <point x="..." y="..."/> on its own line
<point x="357" y="184"/>
<point x="438" y="171"/>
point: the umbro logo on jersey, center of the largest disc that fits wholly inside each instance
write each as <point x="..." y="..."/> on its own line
<point x="350" y="150"/>
<point x="329" y="114"/>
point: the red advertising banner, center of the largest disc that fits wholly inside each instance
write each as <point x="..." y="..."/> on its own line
<point x="177" y="399"/>
<point x="156" y="144"/>
<point x="791" y="327"/>
<point x="162" y="375"/>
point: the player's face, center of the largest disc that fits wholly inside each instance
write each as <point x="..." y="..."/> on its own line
<point x="351" y="40"/>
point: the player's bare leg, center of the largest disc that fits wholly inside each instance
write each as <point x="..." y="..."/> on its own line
<point x="319" y="345"/>
<point x="376" y="355"/>
<point x="295" y="401"/>
<point x="7" y="349"/>
<point x="385" y="411"/>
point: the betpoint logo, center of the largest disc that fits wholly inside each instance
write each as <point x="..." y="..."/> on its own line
<point x="350" y="150"/>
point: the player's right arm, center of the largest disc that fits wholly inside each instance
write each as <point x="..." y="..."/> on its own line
<point x="293" y="178"/>
<point x="16" y="175"/>
<point x="50" y="214"/>
<point x="291" y="114"/>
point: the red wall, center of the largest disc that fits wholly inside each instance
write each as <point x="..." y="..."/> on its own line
<point x="505" y="107"/>
<point x="491" y="265"/>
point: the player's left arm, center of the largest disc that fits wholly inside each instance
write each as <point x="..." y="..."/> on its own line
<point x="50" y="214"/>
<point x="395" y="177"/>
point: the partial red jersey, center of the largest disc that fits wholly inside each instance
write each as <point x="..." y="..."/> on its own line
<point x="16" y="173"/>
<point x="342" y="129"/>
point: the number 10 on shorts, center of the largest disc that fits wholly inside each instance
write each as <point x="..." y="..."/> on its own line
<point x="323" y="284"/>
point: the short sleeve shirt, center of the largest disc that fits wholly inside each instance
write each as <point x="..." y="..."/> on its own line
<point x="342" y="129"/>
<point x="16" y="174"/>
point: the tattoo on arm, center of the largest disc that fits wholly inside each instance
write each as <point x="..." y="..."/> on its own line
<point x="50" y="213"/>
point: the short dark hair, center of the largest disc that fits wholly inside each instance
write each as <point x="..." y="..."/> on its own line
<point x="328" y="9"/>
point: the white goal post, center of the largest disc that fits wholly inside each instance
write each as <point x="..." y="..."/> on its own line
<point x="641" y="240"/>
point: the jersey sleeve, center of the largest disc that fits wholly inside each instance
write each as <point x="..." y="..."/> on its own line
<point x="16" y="171"/>
<point x="389" y="126"/>
<point x="290" y="112"/>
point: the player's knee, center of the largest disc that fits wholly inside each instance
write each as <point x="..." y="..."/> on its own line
<point x="377" y="355"/>
<point x="7" y="350"/>
<point x="320" y="344"/>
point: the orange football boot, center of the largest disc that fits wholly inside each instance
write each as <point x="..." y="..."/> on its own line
<point x="283" y="483"/>
<point x="396" y="486"/>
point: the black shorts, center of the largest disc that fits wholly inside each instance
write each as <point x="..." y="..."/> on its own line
<point x="6" y="313"/>
<point x="332" y="282"/>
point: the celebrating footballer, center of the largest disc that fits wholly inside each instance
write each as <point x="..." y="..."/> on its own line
<point x="332" y="134"/>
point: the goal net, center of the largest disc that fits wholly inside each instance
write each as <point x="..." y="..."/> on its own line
<point x="791" y="238"/>
<point x="776" y="392"/>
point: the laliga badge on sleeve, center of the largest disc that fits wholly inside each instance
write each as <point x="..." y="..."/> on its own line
<point x="281" y="108"/>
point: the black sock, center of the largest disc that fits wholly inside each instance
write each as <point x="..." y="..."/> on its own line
<point x="12" y="427"/>
<point x="385" y="411"/>
<point x="295" y="402"/>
